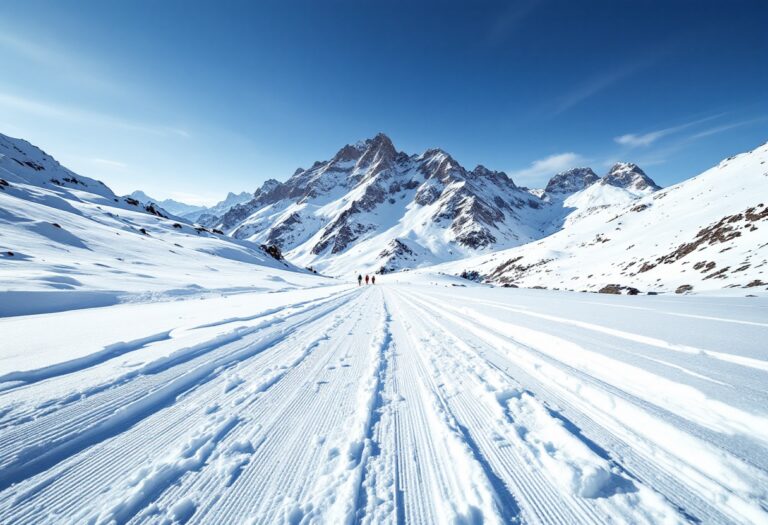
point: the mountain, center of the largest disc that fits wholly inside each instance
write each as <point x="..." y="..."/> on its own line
<point x="373" y="207"/>
<point x="629" y="177"/>
<point x="62" y="232"/>
<point x="202" y="214"/>
<point x="706" y="233"/>
<point x="175" y="207"/>
<point x="571" y="181"/>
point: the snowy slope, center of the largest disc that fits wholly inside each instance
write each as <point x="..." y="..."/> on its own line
<point x="67" y="241"/>
<point x="373" y="208"/>
<point x="706" y="233"/>
<point x="394" y="403"/>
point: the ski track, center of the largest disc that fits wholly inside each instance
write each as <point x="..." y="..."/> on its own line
<point x="387" y="404"/>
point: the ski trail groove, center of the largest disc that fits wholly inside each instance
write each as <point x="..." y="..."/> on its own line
<point x="387" y="404"/>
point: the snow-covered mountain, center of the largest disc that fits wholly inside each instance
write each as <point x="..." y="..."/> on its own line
<point x="172" y="206"/>
<point x="202" y="214"/>
<point x="373" y="207"/>
<point x="62" y="232"/>
<point x="706" y="233"/>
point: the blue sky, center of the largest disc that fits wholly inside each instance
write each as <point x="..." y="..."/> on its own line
<point x="191" y="100"/>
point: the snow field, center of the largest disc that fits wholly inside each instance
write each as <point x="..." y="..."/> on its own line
<point x="394" y="403"/>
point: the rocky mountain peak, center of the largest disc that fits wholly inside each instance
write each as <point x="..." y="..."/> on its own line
<point x="348" y="153"/>
<point x="571" y="181"/>
<point x="378" y="148"/>
<point x="481" y="171"/>
<point x="269" y="185"/>
<point x="629" y="176"/>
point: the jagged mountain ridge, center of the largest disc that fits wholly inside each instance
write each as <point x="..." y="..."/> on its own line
<point x="371" y="205"/>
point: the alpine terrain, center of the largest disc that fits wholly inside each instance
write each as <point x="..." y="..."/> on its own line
<point x="167" y="365"/>
<point x="373" y="206"/>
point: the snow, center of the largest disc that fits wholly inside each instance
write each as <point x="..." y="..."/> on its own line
<point x="708" y="232"/>
<point x="154" y="371"/>
<point x="417" y="400"/>
<point x="76" y="245"/>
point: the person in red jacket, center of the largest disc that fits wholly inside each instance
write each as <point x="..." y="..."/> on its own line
<point x="366" y="278"/>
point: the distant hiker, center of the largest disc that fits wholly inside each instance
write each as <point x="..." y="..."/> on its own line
<point x="359" y="280"/>
<point x="373" y="279"/>
<point x="366" y="278"/>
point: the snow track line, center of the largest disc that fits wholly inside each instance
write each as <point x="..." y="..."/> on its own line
<point x="33" y="459"/>
<point x="539" y="499"/>
<point x="385" y="404"/>
<point x="650" y="341"/>
<point x="647" y="467"/>
<point x="173" y="427"/>
<point x="435" y="490"/>
<point x="112" y="351"/>
<point x="630" y="462"/>
<point x="159" y="365"/>
<point x="301" y="424"/>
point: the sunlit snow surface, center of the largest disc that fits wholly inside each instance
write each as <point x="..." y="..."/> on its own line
<point x="420" y="401"/>
<point x="152" y="372"/>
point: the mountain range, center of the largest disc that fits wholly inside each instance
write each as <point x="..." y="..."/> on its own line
<point x="201" y="214"/>
<point x="372" y="208"/>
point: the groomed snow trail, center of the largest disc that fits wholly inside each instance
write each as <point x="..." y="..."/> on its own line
<point x="394" y="403"/>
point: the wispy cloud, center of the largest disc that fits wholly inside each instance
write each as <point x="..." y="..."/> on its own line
<point x="727" y="127"/>
<point x="83" y="116"/>
<point x="596" y="84"/>
<point x="646" y="139"/>
<point x="548" y="166"/>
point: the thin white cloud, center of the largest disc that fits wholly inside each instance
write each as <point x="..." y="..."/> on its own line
<point x="726" y="127"/>
<point x="82" y="116"/>
<point x="646" y="139"/>
<point x="542" y="169"/>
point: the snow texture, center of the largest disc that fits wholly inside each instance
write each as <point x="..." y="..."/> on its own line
<point x="157" y="371"/>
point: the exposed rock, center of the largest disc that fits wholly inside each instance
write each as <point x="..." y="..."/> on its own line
<point x="471" y="275"/>
<point x="617" y="289"/>
<point x="629" y="176"/>
<point x="571" y="181"/>
<point x="273" y="251"/>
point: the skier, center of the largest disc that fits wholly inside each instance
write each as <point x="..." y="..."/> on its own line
<point x="366" y="278"/>
<point x="359" y="279"/>
<point x="373" y="279"/>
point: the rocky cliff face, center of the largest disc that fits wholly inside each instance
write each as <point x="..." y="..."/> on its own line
<point x="630" y="177"/>
<point x="375" y="204"/>
<point x="571" y="181"/>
